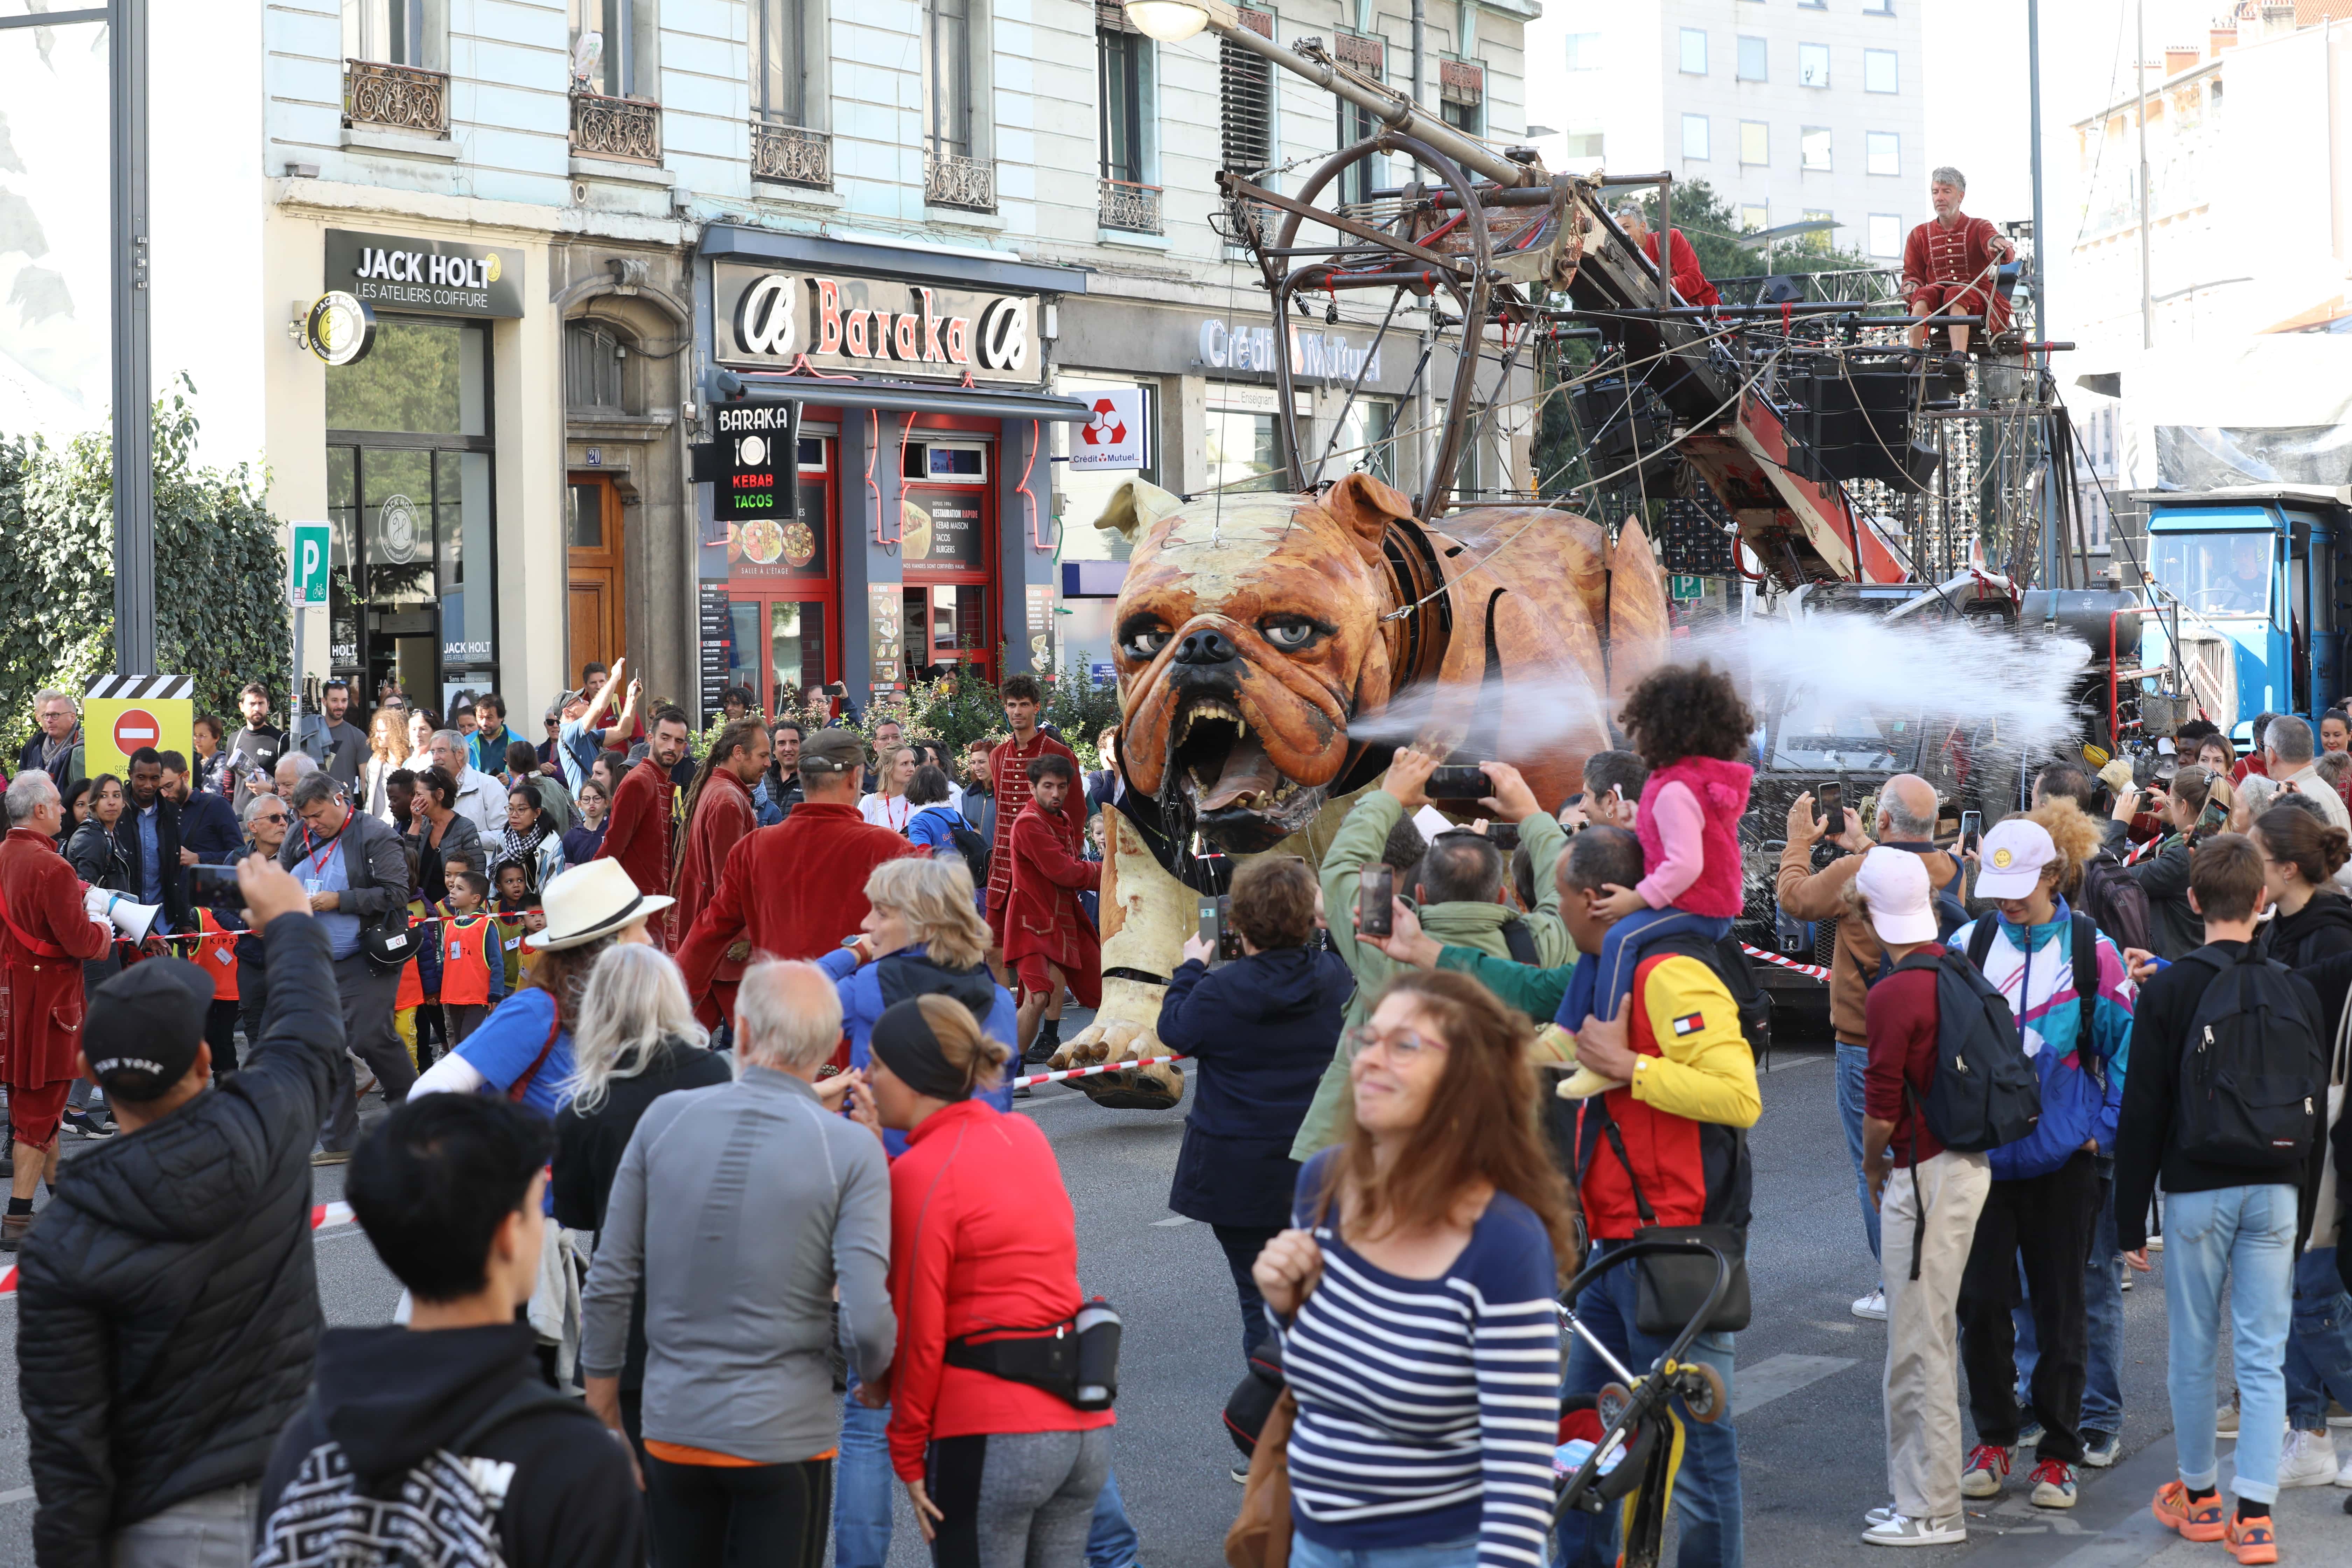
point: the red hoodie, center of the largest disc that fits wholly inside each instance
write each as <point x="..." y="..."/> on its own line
<point x="1721" y="788"/>
<point x="981" y="1236"/>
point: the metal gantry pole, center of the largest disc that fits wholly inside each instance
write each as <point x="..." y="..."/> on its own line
<point x="134" y="472"/>
<point x="2033" y="92"/>
<point x="2139" y="79"/>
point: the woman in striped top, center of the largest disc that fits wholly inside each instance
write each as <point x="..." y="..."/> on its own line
<point x="1416" y="1298"/>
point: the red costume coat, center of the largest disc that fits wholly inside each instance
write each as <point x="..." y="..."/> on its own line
<point x="1043" y="916"/>
<point x="636" y="834"/>
<point x="44" y="941"/>
<point x="723" y="817"/>
<point x="1008" y="775"/>
<point x="1690" y="280"/>
<point x="792" y="891"/>
<point x="1954" y="268"/>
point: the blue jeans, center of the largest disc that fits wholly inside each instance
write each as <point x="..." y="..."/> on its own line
<point x="2319" y="1345"/>
<point x="1461" y="1554"/>
<point x="2102" y="1311"/>
<point x="1850" y="1061"/>
<point x="862" y="1480"/>
<point x="1707" y="1491"/>
<point x="2243" y="1237"/>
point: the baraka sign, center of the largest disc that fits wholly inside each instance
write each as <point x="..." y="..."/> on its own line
<point x="774" y="319"/>
<point x="396" y="272"/>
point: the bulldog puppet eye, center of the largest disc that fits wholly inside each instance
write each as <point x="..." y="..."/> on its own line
<point x="1289" y="634"/>
<point x="1144" y="640"/>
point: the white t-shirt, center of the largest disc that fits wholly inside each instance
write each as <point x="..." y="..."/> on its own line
<point x="889" y="811"/>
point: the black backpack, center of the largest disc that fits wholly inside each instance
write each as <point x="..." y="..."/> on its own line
<point x="1985" y="1093"/>
<point x="974" y="849"/>
<point x="2116" y="902"/>
<point x="2249" y="1094"/>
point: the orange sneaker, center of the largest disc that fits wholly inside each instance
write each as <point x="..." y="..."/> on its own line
<point x="2253" y="1540"/>
<point x="2194" y="1521"/>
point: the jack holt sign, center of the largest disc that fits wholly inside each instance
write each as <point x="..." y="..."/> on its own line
<point x="440" y="277"/>
<point x="771" y="318"/>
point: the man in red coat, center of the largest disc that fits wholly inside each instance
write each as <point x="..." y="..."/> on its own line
<point x="1047" y="937"/>
<point x="796" y="889"/>
<point x="1948" y="263"/>
<point x="719" y="817"/>
<point x="1690" y="278"/>
<point x="637" y="832"/>
<point x="47" y="932"/>
<point x="1008" y="774"/>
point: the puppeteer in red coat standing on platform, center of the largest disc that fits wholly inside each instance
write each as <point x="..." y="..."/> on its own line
<point x="796" y="889"/>
<point x="1950" y="263"/>
<point x="46" y="932"/>
<point x="719" y="815"/>
<point x="1048" y="939"/>
<point x="637" y="832"/>
<point x="1690" y="280"/>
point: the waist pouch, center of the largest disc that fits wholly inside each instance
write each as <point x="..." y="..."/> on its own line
<point x="1075" y="1359"/>
<point x="1674" y="1287"/>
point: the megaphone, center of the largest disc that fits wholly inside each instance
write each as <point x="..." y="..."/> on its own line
<point x="133" y="920"/>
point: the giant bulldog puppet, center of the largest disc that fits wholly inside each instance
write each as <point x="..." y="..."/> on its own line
<point x="1255" y="632"/>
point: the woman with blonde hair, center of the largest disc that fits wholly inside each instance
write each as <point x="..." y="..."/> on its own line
<point x="387" y="754"/>
<point x="635" y="1041"/>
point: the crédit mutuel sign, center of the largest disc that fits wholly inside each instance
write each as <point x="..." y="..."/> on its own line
<point x="1313" y="355"/>
<point x="406" y="273"/>
<point x="769" y="318"/>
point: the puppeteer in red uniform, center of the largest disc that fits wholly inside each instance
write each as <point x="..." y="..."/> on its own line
<point x="1045" y="923"/>
<point x="44" y="937"/>
<point x="723" y="817"/>
<point x="1950" y="263"/>
<point x="1690" y="280"/>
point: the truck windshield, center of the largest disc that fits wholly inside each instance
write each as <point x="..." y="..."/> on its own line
<point x="2215" y="574"/>
<point x="1813" y="731"/>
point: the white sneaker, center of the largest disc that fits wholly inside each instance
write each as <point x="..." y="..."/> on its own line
<point x="1901" y="1530"/>
<point x="1873" y="1306"/>
<point x="2344" y="1476"/>
<point x="2307" y="1460"/>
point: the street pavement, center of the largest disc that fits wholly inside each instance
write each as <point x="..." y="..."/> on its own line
<point x="1807" y="1394"/>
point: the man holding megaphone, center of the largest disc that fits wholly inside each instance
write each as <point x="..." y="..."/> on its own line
<point x="46" y="933"/>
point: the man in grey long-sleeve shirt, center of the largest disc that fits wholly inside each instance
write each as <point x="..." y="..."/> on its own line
<point x="740" y="1209"/>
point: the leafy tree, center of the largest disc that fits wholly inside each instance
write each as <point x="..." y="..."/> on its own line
<point x="220" y="614"/>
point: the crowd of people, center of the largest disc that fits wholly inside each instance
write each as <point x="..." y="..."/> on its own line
<point x="696" y="1061"/>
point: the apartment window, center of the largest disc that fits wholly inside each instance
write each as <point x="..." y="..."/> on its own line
<point x="1813" y="146"/>
<point x="1755" y="141"/>
<point x="780" y="61"/>
<point x="1878" y="7"/>
<point x="1245" y="97"/>
<point x="1584" y="145"/>
<point x="613" y="46"/>
<point x="1119" y="64"/>
<point x="1812" y="65"/>
<point x="1885" y="233"/>
<point x="947" y="76"/>
<point x="1584" y="51"/>
<point x="1754" y="218"/>
<point x="395" y="32"/>
<point x="1878" y="71"/>
<point x="1886" y="149"/>
<point x="1695" y="51"/>
<point x="1462" y="96"/>
<point x="595" y="362"/>
<point x="1752" y="55"/>
<point x="1694" y="136"/>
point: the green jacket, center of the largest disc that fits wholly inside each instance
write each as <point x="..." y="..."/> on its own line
<point x="1362" y="838"/>
<point x="1538" y="992"/>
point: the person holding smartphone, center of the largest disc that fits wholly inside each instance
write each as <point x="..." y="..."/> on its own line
<point x="2175" y="929"/>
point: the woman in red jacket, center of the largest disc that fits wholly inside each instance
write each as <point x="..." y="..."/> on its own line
<point x="982" y="1241"/>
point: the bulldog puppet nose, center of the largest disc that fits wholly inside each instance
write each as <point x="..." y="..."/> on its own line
<point x="1207" y="645"/>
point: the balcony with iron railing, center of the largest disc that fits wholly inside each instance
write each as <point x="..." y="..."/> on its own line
<point x="792" y="155"/>
<point x="624" y="129"/>
<point x="951" y="180"/>
<point x="396" y="97"/>
<point x="1128" y="204"/>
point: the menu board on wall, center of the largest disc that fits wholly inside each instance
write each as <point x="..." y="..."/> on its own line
<point x="716" y="633"/>
<point x="884" y="612"/>
<point x="941" y="533"/>
<point x="1041" y="627"/>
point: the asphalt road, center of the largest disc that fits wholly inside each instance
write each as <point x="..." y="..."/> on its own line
<point x="1807" y="1392"/>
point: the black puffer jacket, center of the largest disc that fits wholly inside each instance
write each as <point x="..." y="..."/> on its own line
<point x="168" y="1311"/>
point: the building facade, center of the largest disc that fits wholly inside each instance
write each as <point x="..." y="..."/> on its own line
<point x="950" y="233"/>
<point x="1791" y="111"/>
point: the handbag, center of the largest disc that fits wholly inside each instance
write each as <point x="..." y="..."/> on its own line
<point x="2325" y="1227"/>
<point x="1260" y="1534"/>
<point x="1671" y="1288"/>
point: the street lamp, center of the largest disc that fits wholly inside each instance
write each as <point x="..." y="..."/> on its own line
<point x="1169" y="21"/>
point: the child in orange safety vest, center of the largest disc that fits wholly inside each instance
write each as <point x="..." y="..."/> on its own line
<point x="473" y="959"/>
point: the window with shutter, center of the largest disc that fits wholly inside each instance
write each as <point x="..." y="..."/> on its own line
<point x="1245" y="99"/>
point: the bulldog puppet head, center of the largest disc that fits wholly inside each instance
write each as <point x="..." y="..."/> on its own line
<point x="1248" y="637"/>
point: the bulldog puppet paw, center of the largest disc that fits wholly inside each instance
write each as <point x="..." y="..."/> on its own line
<point x="1124" y="1030"/>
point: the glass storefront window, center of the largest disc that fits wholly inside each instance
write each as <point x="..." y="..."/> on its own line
<point x="421" y="377"/>
<point x="796" y="644"/>
<point x="1241" y="450"/>
<point x="396" y="526"/>
<point x="1364" y="442"/>
<point x="462" y="498"/>
<point x="743" y="643"/>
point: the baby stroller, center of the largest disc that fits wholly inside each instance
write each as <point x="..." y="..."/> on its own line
<point x="1627" y="1439"/>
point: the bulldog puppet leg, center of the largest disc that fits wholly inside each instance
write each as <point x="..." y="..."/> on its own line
<point x="1144" y="923"/>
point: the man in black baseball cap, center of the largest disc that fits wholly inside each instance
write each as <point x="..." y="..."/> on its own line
<point x="168" y="1313"/>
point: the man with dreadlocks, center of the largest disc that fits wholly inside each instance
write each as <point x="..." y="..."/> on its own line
<point x="718" y="813"/>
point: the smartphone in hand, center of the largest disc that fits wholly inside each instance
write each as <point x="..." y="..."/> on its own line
<point x="1458" y="783"/>
<point x="1972" y="831"/>
<point x="1829" y="806"/>
<point x="1374" y="893"/>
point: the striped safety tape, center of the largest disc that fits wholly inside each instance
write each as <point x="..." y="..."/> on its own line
<point x="1815" y="970"/>
<point x="1089" y="1073"/>
<point x="322" y="1215"/>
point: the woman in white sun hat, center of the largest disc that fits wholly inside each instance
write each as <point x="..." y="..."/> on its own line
<point x="523" y="1050"/>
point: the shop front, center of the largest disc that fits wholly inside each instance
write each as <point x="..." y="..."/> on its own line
<point x="411" y="453"/>
<point x="912" y="532"/>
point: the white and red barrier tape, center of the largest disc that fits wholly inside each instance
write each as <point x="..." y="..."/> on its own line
<point x="321" y="1217"/>
<point x="1815" y="970"/>
<point x="1024" y="1083"/>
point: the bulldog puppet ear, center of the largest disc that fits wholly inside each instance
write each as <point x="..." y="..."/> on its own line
<point x="1135" y="506"/>
<point x="1365" y="507"/>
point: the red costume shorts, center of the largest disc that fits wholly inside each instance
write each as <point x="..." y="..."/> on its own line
<point x="34" y="1114"/>
<point x="1959" y="299"/>
<point x="1085" y="984"/>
